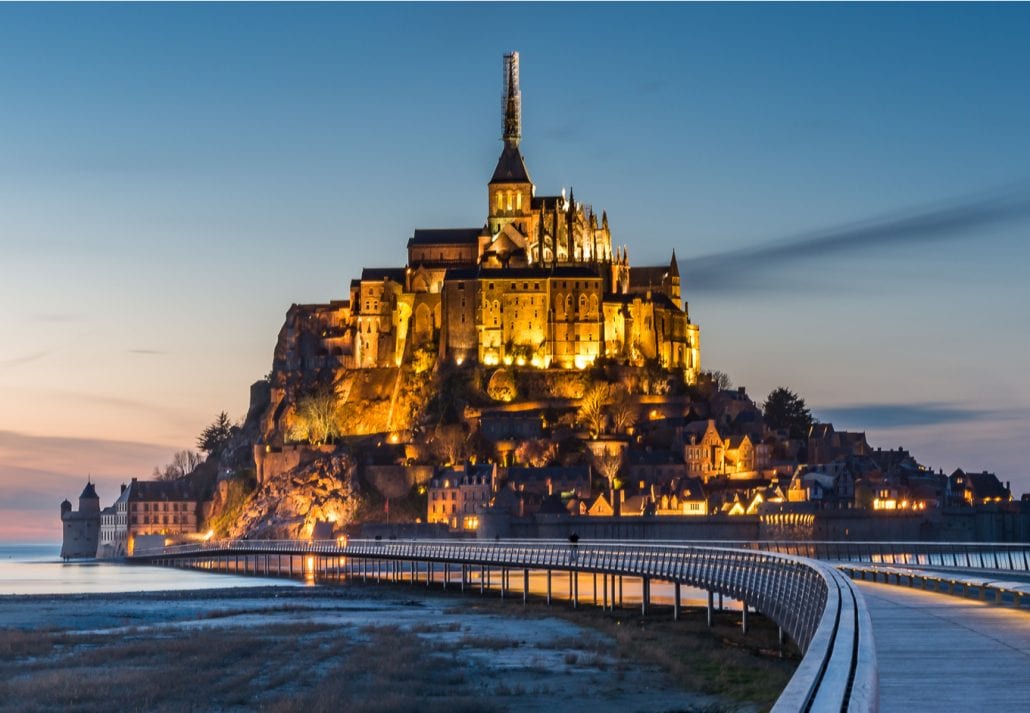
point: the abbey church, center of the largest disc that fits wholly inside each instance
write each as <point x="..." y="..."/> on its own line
<point x="538" y="284"/>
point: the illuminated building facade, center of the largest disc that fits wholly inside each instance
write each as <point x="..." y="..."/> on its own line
<point x="539" y="284"/>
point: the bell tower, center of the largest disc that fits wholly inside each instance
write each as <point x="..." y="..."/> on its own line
<point x="510" y="191"/>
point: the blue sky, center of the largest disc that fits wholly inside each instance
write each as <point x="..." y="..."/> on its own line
<point x="172" y="177"/>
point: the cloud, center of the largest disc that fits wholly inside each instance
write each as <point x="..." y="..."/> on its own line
<point x="146" y="351"/>
<point x="736" y="269"/>
<point x="908" y="415"/>
<point x="26" y="358"/>
<point x="37" y="458"/>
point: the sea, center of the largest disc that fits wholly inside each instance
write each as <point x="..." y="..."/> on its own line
<point x="39" y="569"/>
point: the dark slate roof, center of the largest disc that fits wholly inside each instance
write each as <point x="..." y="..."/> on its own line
<point x="89" y="492"/>
<point x="655" y="457"/>
<point x="160" y="490"/>
<point x="445" y="236"/>
<point x="376" y="274"/>
<point x="644" y="277"/>
<point x="510" y="167"/>
<point x="658" y="298"/>
<point x="552" y="505"/>
<point x="547" y="202"/>
<point x="522" y="474"/>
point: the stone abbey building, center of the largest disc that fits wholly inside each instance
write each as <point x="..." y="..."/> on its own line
<point x="538" y="284"/>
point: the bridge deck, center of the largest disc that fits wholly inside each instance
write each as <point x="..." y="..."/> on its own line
<point x="941" y="653"/>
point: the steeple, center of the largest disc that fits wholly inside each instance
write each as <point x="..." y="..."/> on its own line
<point x="512" y="127"/>
<point x="674" y="268"/>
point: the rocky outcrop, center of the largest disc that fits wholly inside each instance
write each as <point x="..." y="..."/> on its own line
<point x="289" y="504"/>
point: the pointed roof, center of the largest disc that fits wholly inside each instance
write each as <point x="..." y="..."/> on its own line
<point x="511" y="168"/>
<point x="89" y="491"/>
<point x="674" y="268"/>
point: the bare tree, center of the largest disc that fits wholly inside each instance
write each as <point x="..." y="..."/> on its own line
<point x="183" y="463"/>
<point x="318" y="413"/>
<point x="623" y="411"/>
<point x="609" y="463"/>
<point x="449" y="444"/>
<point x="591" y="412"/>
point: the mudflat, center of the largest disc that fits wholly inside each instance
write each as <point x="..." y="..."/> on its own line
<point x="354" y="648"/>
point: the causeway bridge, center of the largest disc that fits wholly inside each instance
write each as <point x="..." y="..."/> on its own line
<point x="882" y="626"/>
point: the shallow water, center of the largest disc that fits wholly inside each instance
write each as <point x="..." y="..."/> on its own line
<point x="39" y="569"/>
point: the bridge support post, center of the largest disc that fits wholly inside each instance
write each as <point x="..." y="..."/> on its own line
<point x="676" y="601"/>
<point x="525" y="586"/>
<point x="429" y="574"/>
<point x="604" y="595"/>
<point x="720" y="601"/>
<point x="595" y="589"/>
<point x="548" y="587"/>
<point x="622" y="604"/>
<point x="743" y="617"/>
<point x="482" y="579"/>
<point x="464" y="569"/>
<point x="446" y="574"/>
<point x="504" y="581"/>
<point x="645" y="594"/>
<point x="575" y="589"/>
<point x="711" y="610"/>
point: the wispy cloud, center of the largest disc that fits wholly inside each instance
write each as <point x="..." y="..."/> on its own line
<point x="25" y="358"/>
<point x="909" y="415"/>
<point x="750" y="266"/>
<point x="147" y="352"/>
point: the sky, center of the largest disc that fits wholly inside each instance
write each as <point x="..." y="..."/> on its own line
<point x="847" y="188"/>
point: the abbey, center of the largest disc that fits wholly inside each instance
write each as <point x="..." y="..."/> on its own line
<point x="538" y="284"/>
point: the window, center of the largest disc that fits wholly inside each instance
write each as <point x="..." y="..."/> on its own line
<point x="518" y="201"/>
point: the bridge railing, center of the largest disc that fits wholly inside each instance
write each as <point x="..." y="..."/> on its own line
<point x="816" y="606"/>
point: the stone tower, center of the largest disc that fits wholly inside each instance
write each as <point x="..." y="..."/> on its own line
<point x="81" y="529"/>
<point x="510" y="191"/>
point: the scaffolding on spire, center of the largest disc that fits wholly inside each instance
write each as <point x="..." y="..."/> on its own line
<point x="511" y="101"/>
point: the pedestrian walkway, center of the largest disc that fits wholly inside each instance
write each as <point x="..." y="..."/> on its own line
<point x="943" y="653"/>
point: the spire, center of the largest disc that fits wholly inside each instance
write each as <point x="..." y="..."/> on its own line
<point x="674" y="268"/>
<point x="512" y="126"/>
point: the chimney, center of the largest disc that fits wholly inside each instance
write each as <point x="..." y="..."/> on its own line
<point x="123" y="487"/>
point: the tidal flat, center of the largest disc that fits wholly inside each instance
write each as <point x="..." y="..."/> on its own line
<point x="367" y="648"/>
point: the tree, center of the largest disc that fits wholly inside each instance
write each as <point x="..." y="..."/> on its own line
<point x="318" y="414"/>
<point x="183" y="463"/>
<point x="450" y="444"/>
<point x="538" y="452"/>
<point x="623" y="411"/>
<point x="216" y="436"/>
<point x="608" y="463"/>
<point x="591" y="412"/>
<point x="786" y="410"/>
<point x="721" y="380"/>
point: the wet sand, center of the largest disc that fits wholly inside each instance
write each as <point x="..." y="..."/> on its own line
<point x="353" y="647"/>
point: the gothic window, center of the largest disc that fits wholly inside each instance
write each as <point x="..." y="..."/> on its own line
<point x="518" y="200"/>
<point x="500" y="200"/>
<point x="593" y="303"/>
<point x="509" y="200"/>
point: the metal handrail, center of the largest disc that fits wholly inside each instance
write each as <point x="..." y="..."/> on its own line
<point x="815" y="605"/>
